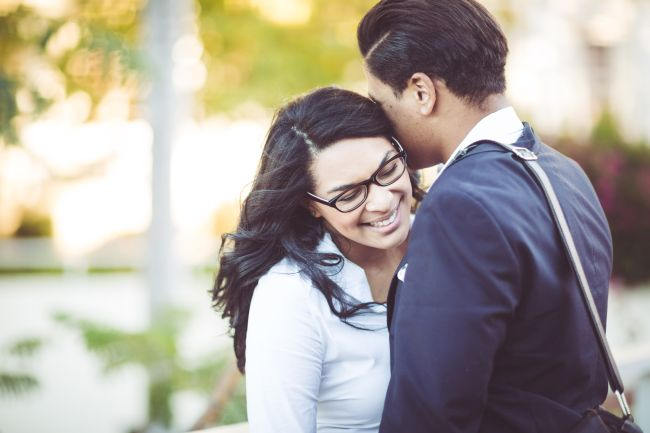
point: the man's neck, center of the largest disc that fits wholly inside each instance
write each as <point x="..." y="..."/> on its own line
<point x="465" y="118"/>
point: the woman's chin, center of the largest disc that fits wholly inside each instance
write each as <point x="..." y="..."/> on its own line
<point x="391" y="234"/>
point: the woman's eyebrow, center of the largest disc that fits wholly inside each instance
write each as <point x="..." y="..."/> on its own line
<point x="387" y="156"/>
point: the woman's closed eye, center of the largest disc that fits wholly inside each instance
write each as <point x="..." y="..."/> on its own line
<point x="388" y="170"/>
<point x="352" y="194"/>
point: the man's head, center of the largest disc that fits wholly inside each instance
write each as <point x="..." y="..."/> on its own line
<point x="430" y="63"/>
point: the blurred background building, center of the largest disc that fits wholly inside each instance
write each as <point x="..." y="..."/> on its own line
<point x="129" y="131"/>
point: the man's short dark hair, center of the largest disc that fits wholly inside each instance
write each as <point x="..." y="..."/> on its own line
<point x="457" y="41"/>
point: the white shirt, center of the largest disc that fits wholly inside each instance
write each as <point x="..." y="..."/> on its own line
<point x="306" y="371"/>
<point x="502" y="126"/>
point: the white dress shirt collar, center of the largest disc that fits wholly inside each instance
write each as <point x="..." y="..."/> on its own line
<point x="502" y="126"/>
<point x="351" y="277"/>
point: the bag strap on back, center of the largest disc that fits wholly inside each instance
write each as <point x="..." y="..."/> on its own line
<point x="529" y="159"/>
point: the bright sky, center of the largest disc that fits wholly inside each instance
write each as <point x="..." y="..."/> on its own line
<point x="212" y="162"/>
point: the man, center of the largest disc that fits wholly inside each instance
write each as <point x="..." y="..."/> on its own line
<point x="488" y="329"/>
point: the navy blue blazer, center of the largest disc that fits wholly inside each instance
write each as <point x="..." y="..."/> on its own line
<point x="488" y="331"/>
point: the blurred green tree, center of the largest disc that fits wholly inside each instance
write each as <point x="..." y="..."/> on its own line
<point x="620" y="173"/>
<point x="250" y="55"/>
<point x="46" y="54"/>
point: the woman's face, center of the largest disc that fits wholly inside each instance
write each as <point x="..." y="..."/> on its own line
<point x="383" y="220"/>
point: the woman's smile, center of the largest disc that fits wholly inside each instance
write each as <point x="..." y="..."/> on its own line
<point x="388" y="223"/>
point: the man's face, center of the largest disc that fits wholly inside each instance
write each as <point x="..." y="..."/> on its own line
<point x="408" y="123"/>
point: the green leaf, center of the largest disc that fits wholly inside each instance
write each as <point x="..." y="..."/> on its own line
<point x="26" y="347"/>
<point x="8" y="108"/>
<point x="17" y="383"/>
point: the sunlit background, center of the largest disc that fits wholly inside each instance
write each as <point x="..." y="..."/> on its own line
<point x="129" y="131"/>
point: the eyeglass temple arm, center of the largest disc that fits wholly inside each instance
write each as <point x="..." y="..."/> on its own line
<point x="318" y="199"/>
<point x="399" y="145"/>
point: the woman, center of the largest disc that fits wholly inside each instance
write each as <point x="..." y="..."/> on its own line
<point x="303" y="278"/>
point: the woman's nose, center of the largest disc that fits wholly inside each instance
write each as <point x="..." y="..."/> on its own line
<point x="379" y="199"/>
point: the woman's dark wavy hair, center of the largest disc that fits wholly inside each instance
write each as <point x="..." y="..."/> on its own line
<point x="275" y="221"/>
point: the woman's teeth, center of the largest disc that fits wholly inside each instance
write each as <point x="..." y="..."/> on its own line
<point x="387" y="221"/>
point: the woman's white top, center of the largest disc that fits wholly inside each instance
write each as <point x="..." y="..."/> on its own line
<point x="306" y="371"/>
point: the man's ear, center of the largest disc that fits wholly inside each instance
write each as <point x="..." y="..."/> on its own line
<point x="423" y="90"/>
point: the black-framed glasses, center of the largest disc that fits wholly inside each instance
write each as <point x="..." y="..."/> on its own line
<point x="354" y="196"/>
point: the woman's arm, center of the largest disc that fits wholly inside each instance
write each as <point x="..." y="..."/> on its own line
<point x="284" y="352"/>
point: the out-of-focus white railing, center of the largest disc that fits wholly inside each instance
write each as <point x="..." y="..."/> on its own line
<point x="232" y="428"/>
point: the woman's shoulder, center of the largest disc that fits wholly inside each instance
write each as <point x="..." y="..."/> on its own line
<point x="283" y="305"/>
<point x="288" y="277"/>
<point x="283" y="283"/>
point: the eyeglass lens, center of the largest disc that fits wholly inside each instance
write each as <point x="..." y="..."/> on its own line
<point x="354" y="197"/>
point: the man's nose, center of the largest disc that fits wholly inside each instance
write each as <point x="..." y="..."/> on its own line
<point x="379" y="199"/>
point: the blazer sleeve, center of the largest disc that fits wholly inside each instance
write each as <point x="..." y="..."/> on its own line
<point x="284" y="352"/>
<point x="460" y="289"/>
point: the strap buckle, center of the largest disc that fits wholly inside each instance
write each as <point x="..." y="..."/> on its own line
<point x="523" y="153"/>
<point x="622" y="402"/>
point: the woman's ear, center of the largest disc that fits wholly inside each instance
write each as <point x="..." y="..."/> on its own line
<point x="423" y="91"/>
<point x="313" y="210"/>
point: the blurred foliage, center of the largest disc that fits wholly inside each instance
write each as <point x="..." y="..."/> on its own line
<point x="235" y="410"/>
<point x="88" y="46"/>
<point x="16" y="381"/>
<point x="93" y="46"/>
<point x="156" y="350"/>
<point x="250" y="57"/>
<point x="8" y="108"/>
<point x="620" y="173"/>
<point x="34" y="224"/>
